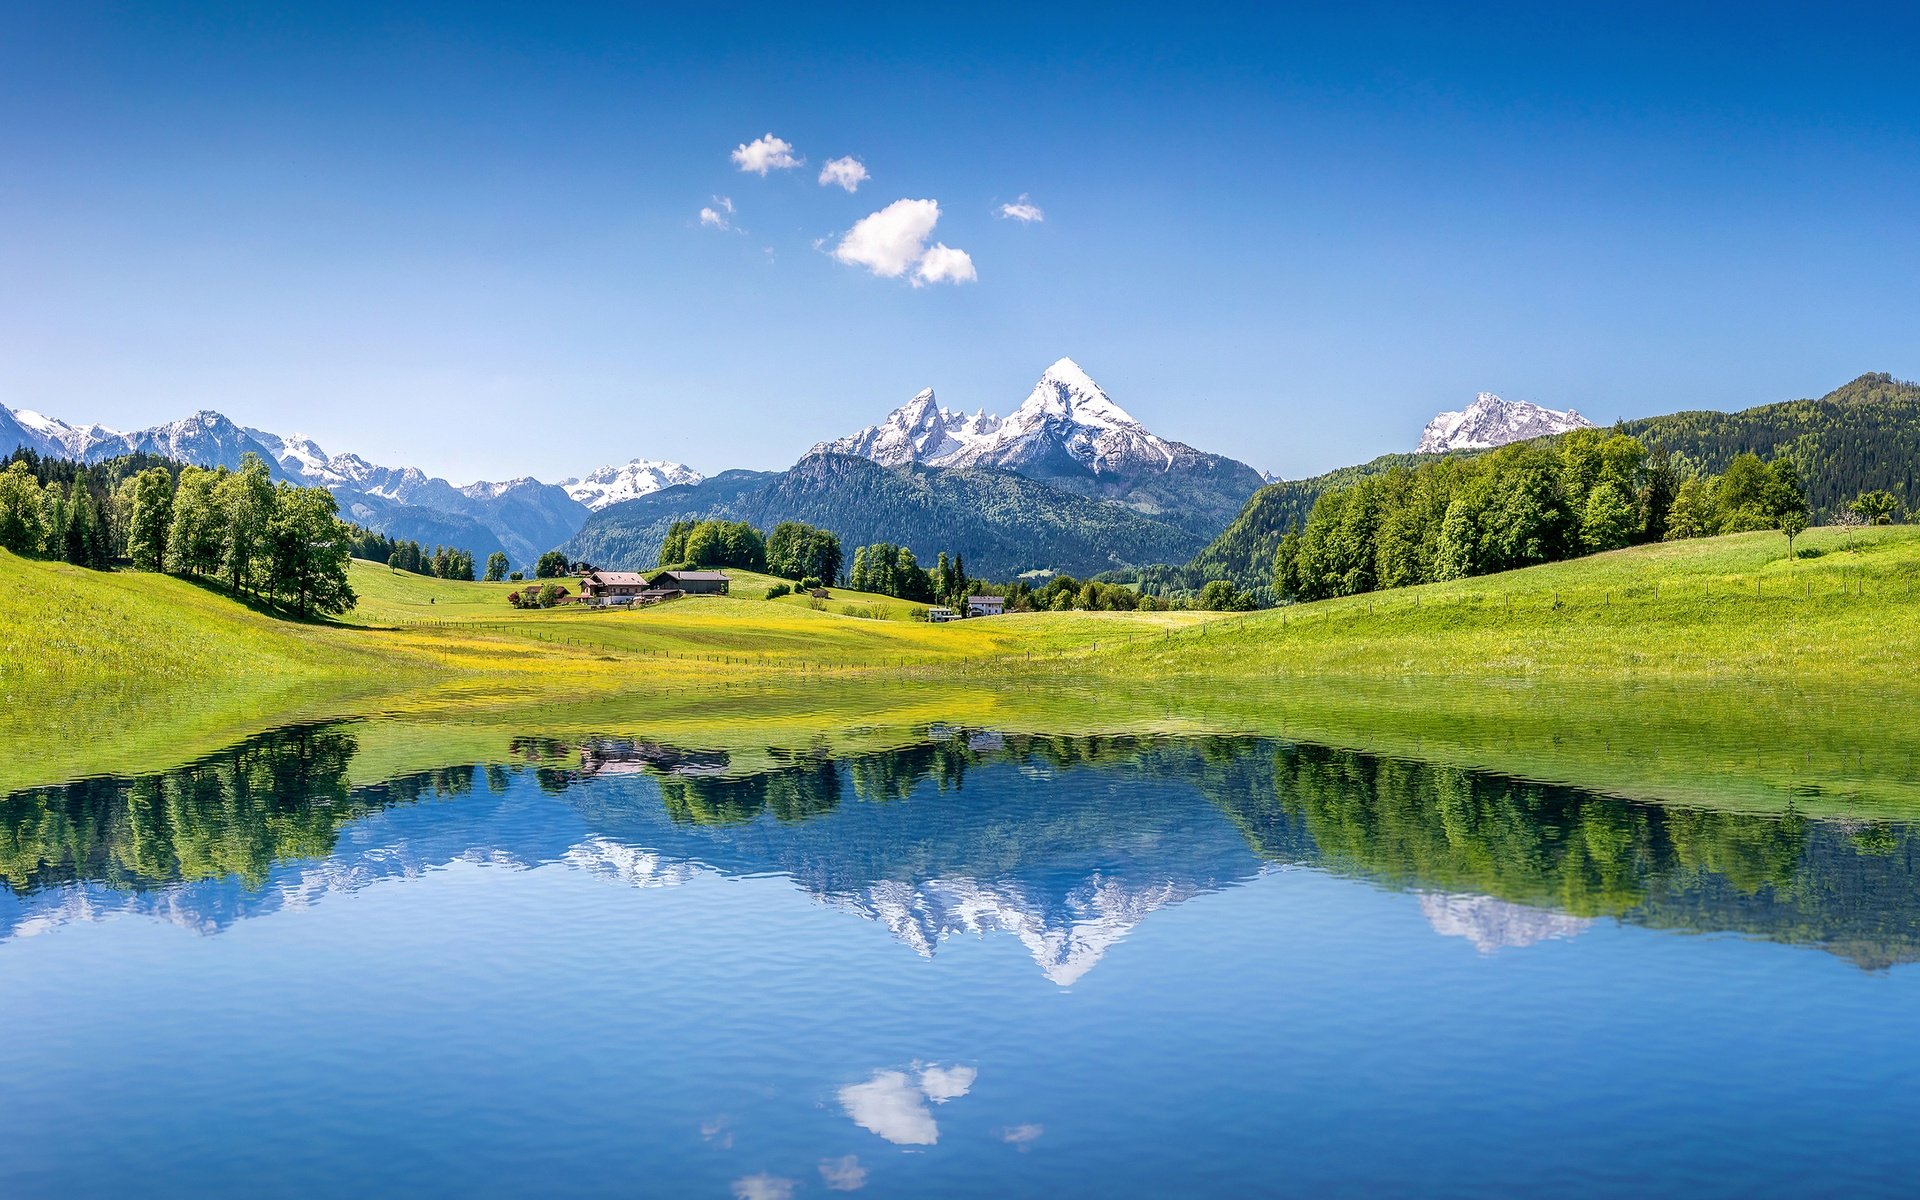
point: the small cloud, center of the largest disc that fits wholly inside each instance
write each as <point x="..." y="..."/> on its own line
<point x="713" y="219"/>
<point x="888" y="1104"/>
<point x="715" y="1130"/>
<point x="843" y="1174"/>
<point x="1022" y="210"/>
<point x="848" y="172"/>
<point x="765" y="154"/>
<point x="763" y="1187"/>
<point x="1022" y="1135"/>
<point x="944" y="264"/>
<point x="942" y="1084"/>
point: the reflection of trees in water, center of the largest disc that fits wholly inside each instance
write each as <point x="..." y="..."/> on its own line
<point x="1439" y="828"/>
<point x="1848" y="886"/>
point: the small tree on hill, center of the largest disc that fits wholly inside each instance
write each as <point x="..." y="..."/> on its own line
<point x="496" y="567"/>
<point x="552" y="565"/>
<point x="1793" y="523"/>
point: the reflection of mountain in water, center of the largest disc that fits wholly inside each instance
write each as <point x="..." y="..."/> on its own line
<point x="1064" y="843"/>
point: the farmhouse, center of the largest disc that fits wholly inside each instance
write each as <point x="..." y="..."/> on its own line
<point x="941" y="615"/>
<point x="693" y="583"/>
<point x="986" y="606"/>
<point x="601" y="586"/>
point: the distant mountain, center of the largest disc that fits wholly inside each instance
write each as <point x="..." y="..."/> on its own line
<point x="1490" y="421"/>
<point x="1068" y="433"/>
<point x="1001" y="522"/>
<point x="522" y="517"/>
<point x="641" y="477"/>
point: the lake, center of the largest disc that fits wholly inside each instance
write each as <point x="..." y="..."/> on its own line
<point x="960" y="961"/>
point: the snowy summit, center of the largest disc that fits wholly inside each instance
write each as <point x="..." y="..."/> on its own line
<point x="1490" y="421"/>
<point x="641" y="477"/>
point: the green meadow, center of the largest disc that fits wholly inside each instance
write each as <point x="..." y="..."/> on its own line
<point x="1714" y="671"/>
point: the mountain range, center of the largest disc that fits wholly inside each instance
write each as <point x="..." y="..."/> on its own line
<point x="1069" y="481"/>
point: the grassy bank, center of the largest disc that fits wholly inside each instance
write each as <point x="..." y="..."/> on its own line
<point x="1713" y="671"/>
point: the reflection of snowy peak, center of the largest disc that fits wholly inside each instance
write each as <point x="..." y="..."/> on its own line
<point x="1067" y="937"/>
<point x="1490" y="421"/>
<point x="641" y="477"/>
<point x="1492" y="924"/>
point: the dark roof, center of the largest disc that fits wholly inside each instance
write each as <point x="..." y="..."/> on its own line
<point x="718" y="575"/>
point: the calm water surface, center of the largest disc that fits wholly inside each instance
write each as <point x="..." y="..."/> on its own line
<point x="975" y="965"/>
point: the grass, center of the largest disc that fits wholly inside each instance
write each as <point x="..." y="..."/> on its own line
<point x="1713" y="672"/>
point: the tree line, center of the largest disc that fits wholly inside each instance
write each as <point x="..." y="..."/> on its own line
<point x="441" y="562"/>
<point x="1520" y="505"/>
<point x="277" y="542"/>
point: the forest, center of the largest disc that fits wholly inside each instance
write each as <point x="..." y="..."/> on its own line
<point x="1522" y="505"/>
<point x="274" y="542"/>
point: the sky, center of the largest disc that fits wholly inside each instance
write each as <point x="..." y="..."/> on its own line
<point x="496" y="240"/>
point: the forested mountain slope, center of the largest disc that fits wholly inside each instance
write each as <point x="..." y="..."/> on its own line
<point x="1856" y="438"/>
<point x="1000" y="522"/>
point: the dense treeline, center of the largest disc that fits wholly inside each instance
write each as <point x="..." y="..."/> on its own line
<point x="1862" y="437"/>
<point x="714" y="543"/>
<point x="442" y="562"/>
<point x="1520" y="505"/>
<point x="282" y="543"/>
<point x="889" y="570"/>
<point x="796" y="550"/>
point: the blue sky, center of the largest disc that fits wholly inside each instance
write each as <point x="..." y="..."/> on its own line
<point x="468" y="238"/>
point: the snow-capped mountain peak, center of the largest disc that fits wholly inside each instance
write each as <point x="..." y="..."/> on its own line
<point x="1066" y="392"/>
<point x="1490" y="421"/>
<point x="919" y="431"/>
<point x="628" y="481"/>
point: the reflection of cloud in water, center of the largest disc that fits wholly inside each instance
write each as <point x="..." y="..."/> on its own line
<point x="1492" y="924"/>
<point x="843" y="1174"/>
<point x="715" y="1131"/>
<point x="893" y="1106"/>
<point x="762" y="1187"/>
<point x="942" y="1084"/>
<point x="1022" y="1135"/>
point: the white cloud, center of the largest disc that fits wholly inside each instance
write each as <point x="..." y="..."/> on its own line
<point x="942" y="1084"/>
<point x="765" y="154"/>
<point x="1022" y="1135"/>
<point x="1023" y="210"/>
<point x="763" y="1187"/>
<point x="944" y="264"/>
<point x="848" y="172"/>
<point x="843" y="1174"/>
<point x="889" y="1105"/>
<point x="717" y="216"/>
<point x="893" y="241"/>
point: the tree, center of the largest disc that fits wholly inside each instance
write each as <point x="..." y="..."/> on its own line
<point x="1219" y="595"/>
<point x="1876" y="507"/>
<point x="308" y="548"/>
<point x="552" y="565"/>
<point x="84" y="541"/>
<point x="23" y="528"/>
<point x="1608" y="521"/>
<point x="1848" y="520"/>
<point x="245" y="502"/>
<point x="150" y="517"/>
<point x="196" y="537"/>
<point x="1793" y="523"/>
<point x="496" y="567"/>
